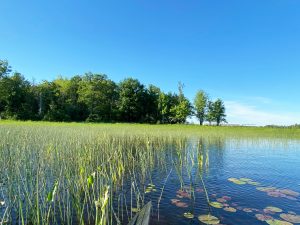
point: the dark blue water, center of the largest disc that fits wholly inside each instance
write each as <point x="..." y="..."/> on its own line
<point x="272" y="163"/>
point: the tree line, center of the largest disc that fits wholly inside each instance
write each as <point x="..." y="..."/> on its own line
<point x="96" y="98"/>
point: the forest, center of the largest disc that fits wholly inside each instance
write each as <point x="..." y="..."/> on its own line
<point x="96" y="98"/>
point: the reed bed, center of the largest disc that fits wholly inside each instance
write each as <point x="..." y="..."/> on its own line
<point x="68" y="173"/>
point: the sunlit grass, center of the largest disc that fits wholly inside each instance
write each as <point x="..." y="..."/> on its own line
<point x="66" y="173"/>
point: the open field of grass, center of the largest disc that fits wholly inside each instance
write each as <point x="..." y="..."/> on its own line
<point x="66" y="173"/>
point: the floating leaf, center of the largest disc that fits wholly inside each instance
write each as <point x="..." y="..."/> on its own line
<point x="262" y="217"/>
<point x="230" y="209"/>
<point x="222" y="200"/>
<point x="181" y="204"/>
<point x="217" y="205"/>
<point x="253" y="183"/>
<point x="209" y="219"/>
<point x="248" y="210"/>
<point x="237" y="181"/>
<point x="188" y="215"/>
<point x="245" y="179"/>
<point x="174" y="201"/>
<point x="273" y="209"/>
<point x="278" y="222"/>
<point x="289" y="192"/>
<point x="266" y="189"/>
<point x="227" y="198"/>
<point x="290" y="217"/>
<point x="183" y="194"/>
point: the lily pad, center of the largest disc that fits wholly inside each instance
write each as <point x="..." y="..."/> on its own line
<point x="236" y="181"/>
<point x="262" y="217"/>
<point x="174" y="201"/>
<point x="181" y="204"/>
<point x="278" y="222"/>
<point x="209" y="219"/>
<point x="290" y="217"/>
<point x="183" y="194"/>
<point x="248" y="210"/>
<point x="222" y="200"/>
<point x="245" y="179"/>
<point x="227" y="198"/>
<point x="253" y="183"/>
<point x="188" y="215"/>
<point x="289" y="192"/>
<point x="266" y="189"/>
<point x="217" y="205"/>
<point x="273" y="209"/>
<point x="230" y="209"/>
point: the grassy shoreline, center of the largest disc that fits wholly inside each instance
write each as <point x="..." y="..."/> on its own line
<point x="168" y="129"/>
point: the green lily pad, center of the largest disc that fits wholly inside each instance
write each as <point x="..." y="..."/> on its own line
<point x="273" y="209"/>
<point x="230" y="209"/>
<point x="253" y="183"/>
<point x="237" y="181"/>
<point x="245" y="179"/>
<point x="208" y="219"/>
<point x="266" y="189"/>
<point x="188" y="215"/>
<point x="217" y="205"/>
<point x="290" y="217"/>
<point x="278" y="222"/>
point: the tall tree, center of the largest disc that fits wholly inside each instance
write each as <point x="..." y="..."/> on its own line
<point x="100" y="95"/>
<point x="219" y="111"/>
<point x="183" y="108"/>
<point x="200" y="104"/>
<point x="131" y="100"/>
<point x="210" y="116"/>
<point x="16" y="98"/>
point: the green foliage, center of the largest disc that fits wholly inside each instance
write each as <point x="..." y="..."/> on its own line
<point x="95" y="98"/>
<point x="131" y="100"/>
<point x="200" y="103"/>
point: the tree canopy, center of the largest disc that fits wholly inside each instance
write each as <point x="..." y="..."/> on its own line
<point x="95" y="98"/>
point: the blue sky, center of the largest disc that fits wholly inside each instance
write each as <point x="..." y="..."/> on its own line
<point x="245" y="52"/>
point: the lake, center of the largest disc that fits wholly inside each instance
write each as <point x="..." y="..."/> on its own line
<point x="54" y="173"/>
<point x="266" y="183"/>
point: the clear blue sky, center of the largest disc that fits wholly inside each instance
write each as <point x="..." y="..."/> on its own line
<point x="245" y="52"/>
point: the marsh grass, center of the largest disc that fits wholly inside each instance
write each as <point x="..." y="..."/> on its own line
<point x="68" y="173"/>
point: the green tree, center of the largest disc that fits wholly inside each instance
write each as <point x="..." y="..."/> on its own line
<point x="17" y="100"/>
<point x="131" y="100"/>
<point x="219" y="111"/>
<point x="200" y="104"/>
<point x="210" y="116"/>
<point x="151" y="104"/>
<point x="5" y="69"/>
<point x="100" y="95"/>
<point x="183" y="108"/>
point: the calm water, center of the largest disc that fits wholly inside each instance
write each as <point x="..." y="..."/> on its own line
<point x="272" y="163"/>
